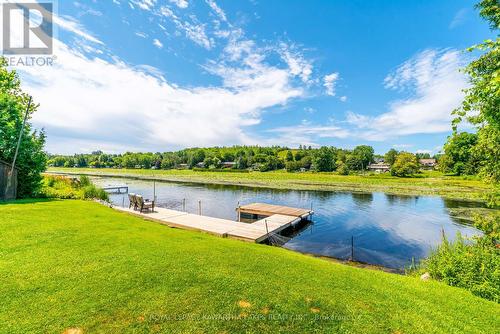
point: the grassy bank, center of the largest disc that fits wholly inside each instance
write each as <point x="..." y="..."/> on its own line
<point x="75" y="264"/>
<point x="429" y="183"/>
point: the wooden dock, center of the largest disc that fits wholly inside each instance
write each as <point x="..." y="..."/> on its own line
<point x="116" y="189"/>
<point x="262" y="210"/>
<point x="258" y="231"/>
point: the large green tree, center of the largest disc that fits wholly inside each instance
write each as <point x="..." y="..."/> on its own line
<point x="360" y="157"/>
<point x="460" y="154"/>
<point x="324" y="159"/>
<point x="31" y="160"/>
<point x="390" y="156"/>
<point x="481" y="105"/>
<point x="406" y="164"/>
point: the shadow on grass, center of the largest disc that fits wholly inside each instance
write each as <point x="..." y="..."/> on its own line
<point x="28" y="201"/>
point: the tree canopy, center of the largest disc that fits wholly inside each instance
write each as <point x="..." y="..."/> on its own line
<point x="481" y="105"/>
<point x="406" y="164"/>
<point x="460" y="156"/>
<point x="31" y="160"/>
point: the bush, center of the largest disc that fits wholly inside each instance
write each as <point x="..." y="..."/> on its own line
<point x="70" y="188"/>
<point x="222" y="170"/>
<point x="474" y="265"/>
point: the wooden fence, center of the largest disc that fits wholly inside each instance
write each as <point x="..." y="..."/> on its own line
<point x="8" y="183"/>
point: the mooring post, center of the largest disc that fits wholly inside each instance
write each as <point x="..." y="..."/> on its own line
<point x="184" y="204"/>
<point x="267" y="230"/>
<point x="199" y="208"/>
<point x="352" y="248"/>
<point x="239" y="212"/>
<point x="154" y="190"/>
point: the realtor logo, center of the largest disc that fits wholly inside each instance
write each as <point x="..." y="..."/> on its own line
<point x="27" y="28"/>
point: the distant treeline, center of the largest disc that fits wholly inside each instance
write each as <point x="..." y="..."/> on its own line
<point x="323" y="159"/>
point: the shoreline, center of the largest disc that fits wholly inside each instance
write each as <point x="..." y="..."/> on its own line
<point x="464" y="192"/>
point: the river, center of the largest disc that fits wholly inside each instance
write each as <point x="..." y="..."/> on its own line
<point x="376" y="228"/>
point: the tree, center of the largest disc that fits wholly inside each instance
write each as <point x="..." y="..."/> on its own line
<point x="342" y="168"/>
<point x="289" y="156"/>
<point x="461" y="157"/>
<point x="31" y="160"/>
<point x="324" y="159"/>
<point x="482" y="99"/>
<point x="423" y="155"/>
<point x="405" y="164"/>
<point x="196" y="157"/>
<point x="445" y="163"/>
<point x="242" y="162"/>
<point x="360" y="157"/>
<point x="390" y="156"/>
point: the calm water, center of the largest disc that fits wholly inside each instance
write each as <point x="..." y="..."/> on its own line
<point x="387" y="230"/>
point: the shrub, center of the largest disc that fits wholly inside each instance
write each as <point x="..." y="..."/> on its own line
<point x="69" y="188"/>
<point x="473" y="265"/>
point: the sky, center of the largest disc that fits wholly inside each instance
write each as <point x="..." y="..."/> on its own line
<point x="162" y="75"/>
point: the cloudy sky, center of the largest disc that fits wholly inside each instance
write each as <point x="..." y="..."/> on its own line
<point x="158" y="75"/>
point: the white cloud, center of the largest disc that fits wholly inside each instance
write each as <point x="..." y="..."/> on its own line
<point x="305" y="133"/>
<point x="158" y="44"/>
<point x="144" y="4"/>
<point x="402" y="146"/>
<point x="459" y="18"/>
<point x="435" y="83"/>
<point x="220" y="13"/>
<point x="297" y="64"/>
<point x="343" y="98"/>
<point x="86" y="10"/>
<point x="135" y="108"/>
<point x="69" y="24"/>
<point x="195" y="32"/>
<point x="180" y="3"/>
<point x="329" y="83"/>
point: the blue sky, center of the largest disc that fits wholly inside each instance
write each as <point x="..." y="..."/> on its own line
<point x="154" y="75"/>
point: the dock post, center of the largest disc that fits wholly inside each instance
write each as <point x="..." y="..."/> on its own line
<point x="267" y="230"/>
<point x="154" y="190"/>
<point x="352" y="248"/>
<point x="239" y="212"/>
<point x="199" y="208"/>
<point x="184" y="204"/>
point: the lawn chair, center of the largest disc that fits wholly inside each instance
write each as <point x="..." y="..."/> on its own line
<point x="132" y="201"/>
<point x="144" y="204"/>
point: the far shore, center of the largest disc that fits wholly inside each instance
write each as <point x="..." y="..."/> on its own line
<point x="428" y="184"/>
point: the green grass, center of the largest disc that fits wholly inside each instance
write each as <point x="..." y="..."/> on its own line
<point x="75" y="264"/>
<point x="428" y="183"/>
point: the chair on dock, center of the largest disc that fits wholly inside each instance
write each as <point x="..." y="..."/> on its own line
<point x="131" y="200"/>
<point x="144" y="204"/>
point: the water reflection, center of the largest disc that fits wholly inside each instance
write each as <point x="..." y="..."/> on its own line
<point x="387" y="230"/>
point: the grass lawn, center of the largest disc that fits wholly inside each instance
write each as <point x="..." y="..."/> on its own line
<point x="75" y="264"/>
<point x="429" y="183"/>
